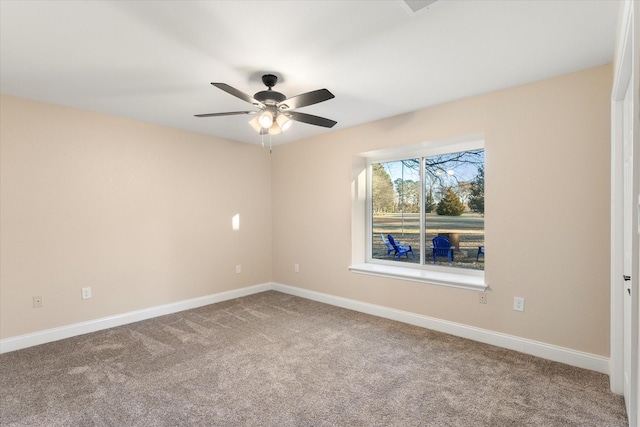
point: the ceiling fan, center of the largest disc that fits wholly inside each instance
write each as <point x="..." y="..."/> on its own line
<point x="275" y="109"/>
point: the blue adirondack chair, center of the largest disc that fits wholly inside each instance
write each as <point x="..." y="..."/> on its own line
<point x="387" y="244"/>
<point x="480" y="252"/>
<point x="400" y="248"/>
<point x="442" y="247"/>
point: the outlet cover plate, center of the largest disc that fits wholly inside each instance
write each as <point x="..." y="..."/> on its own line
<point x="37" y="302"/>
<point x="518" y="304"/>
<point x="483" y="297"/>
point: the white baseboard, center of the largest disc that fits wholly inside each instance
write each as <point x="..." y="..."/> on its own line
<point x="523" y="345"/>
<point x="534" y="348"/>
<point x="55" y="334"/>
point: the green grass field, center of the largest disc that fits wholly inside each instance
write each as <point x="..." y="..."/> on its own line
<point x="406" y="230"/>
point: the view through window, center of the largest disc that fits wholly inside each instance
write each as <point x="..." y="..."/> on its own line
<point x="442" y="195"/>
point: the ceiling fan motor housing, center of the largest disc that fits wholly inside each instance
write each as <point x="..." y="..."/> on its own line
<point x="269" y="96"/>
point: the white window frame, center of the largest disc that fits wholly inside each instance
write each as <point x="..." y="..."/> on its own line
<point x="363" y="263"/>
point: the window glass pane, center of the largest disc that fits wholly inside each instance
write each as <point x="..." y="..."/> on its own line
<point x="454" y="208"/>
<point x="396" y="210"/>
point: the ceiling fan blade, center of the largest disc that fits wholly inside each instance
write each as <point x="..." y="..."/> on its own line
<point x="305" y="99"/>
<point x="230" y="113"/>
<point x="310" y="119"/>
<point x="238" y="94"/>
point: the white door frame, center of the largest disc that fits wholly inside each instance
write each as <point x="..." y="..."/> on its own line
<point x="626" y="72"/>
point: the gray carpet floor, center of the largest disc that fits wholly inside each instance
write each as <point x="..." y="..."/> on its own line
<point x="272" y="359"/>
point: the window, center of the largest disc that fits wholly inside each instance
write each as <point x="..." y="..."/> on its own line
<point x="416" y="195"/>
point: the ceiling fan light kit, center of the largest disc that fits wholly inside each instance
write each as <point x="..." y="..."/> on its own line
<point x="265" y="119"/>
<point x="275" y="109"/>
<point x="254" y="122"/>
<point x="284" y="122"/>
<point x="280" y="124"/>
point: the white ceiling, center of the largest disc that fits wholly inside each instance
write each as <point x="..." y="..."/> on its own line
<point x="153" y="60"/>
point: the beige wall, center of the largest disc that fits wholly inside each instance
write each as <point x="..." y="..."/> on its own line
<point x="547" y="211"/>
<point x="140" y="213"/>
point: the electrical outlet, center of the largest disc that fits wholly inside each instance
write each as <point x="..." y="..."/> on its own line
<point x="86" y="293"/>
<point x="238" y="268"/>
<point x="483" y="298"/>
<point x="296" y="268"/>
<point x="518" y="304"/>
<point x="37" y="302"/>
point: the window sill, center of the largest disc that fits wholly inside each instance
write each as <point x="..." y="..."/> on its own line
<point x="454" y="280"/>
